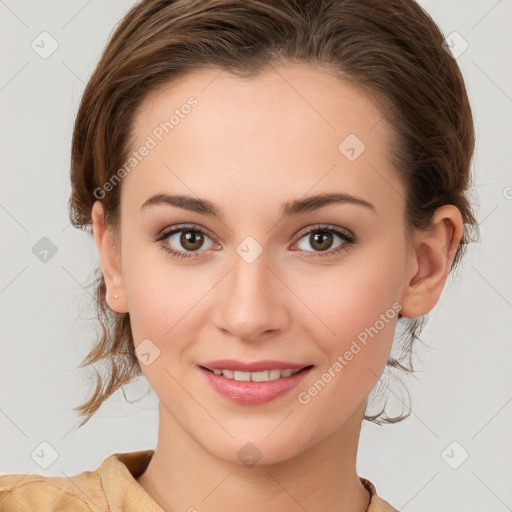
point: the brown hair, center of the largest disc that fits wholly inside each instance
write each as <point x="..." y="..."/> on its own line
<point x="392" y="49"/>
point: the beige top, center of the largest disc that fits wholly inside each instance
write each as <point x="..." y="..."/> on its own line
<point x="110" y="488"/>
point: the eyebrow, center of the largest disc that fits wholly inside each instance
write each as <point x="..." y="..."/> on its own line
<point x="295" y="207"/>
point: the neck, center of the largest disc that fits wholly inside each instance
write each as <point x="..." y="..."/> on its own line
<point x="182" y="475"/>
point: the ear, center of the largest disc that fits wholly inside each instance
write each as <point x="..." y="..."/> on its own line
<point x="430" y="262"/>
<point x="110" y="261"/>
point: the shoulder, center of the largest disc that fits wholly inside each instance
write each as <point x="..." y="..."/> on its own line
<point x="34" y="492"/>
<point x="113" y="482"/>
<point x="377" y="504"/>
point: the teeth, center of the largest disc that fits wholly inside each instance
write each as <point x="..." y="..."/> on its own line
<point x="263" y="376"/>
<point x="241" y="375"/>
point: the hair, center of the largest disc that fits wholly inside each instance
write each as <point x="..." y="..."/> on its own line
<point x="391" y="49"/>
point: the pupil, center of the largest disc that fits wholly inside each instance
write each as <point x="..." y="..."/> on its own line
<point x="191" y="238"/>
<point x="321" y="238"/>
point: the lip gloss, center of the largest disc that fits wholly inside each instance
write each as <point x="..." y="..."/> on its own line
<point x="252" y="393"/>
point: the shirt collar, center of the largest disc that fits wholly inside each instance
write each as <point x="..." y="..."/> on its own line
<point x="124" y="494"/>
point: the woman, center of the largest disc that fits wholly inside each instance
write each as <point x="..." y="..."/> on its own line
<point x="273" y="187"/>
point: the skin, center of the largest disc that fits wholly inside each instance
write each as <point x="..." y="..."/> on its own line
<point x="249" y="146"/>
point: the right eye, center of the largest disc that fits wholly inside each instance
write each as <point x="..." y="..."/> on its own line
<point x="183" y="241"/>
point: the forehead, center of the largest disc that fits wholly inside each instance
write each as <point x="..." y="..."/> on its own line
<point x="279" y="134"/>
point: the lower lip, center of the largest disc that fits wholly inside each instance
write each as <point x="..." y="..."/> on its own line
<point x="252" y="393"/>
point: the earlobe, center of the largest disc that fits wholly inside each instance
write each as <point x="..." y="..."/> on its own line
<point x="109" y="258"/>
<point x="430" y="262"/>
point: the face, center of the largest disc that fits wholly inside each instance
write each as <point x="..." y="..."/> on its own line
<point x="272" y="275"/>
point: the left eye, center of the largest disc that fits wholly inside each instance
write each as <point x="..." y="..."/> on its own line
<point x="322" y="239"/>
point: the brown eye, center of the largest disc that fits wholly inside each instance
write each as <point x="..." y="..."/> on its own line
<point x="185" y="241"/>
<point x="191" y="240"/>
<point x="321" y="240"/>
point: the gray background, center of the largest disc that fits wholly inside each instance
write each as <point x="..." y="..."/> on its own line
<point x="462" y="393"/>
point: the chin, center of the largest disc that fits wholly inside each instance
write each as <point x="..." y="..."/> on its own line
<point x="256" y="452"/>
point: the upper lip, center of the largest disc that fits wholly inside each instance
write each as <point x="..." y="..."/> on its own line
<point x="256" y="366"/>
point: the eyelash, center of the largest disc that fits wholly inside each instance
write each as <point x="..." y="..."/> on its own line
<point x="349" y="240"/>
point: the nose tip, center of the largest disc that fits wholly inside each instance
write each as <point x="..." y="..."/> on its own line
<point x="249" y="305"/>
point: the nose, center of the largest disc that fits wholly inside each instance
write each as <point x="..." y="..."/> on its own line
<point x="252" y="302"/>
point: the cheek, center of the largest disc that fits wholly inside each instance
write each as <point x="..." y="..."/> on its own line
<point x="361" y="312"/>
<point x="163" y="308"/>
<point x="358" y="305"/>
<point x="345" y="299"/>
<point x="164" y="298"/>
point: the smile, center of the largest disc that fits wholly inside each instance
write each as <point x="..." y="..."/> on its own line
<point x="253" y="387"/>
<point x="263" y="376"/>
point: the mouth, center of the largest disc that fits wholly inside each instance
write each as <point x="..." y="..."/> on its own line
<point x="256" y="376"/>
<point x="259" y="376"/>
<point x="253" y="383"/>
